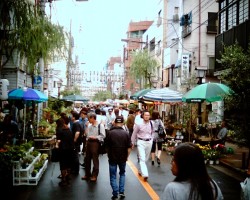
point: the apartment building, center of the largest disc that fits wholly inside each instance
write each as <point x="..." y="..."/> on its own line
<point x="133" y="41"/>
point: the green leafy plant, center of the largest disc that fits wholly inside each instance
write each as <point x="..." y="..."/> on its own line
<point x="27" y="31"/>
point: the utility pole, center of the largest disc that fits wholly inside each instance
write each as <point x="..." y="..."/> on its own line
<point x="69" y="60"/>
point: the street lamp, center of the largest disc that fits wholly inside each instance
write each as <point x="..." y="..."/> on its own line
<point x="200" y="74"/>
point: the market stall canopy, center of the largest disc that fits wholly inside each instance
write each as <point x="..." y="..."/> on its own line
<point x="209" y="92"/>
<point x="27" y="94"/>
<point x="163" y="95"/>
<point x="139" y="94"/>
<point x="74" y="97"/>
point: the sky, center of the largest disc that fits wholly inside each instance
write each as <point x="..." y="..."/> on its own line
<point x="99" y="25"/>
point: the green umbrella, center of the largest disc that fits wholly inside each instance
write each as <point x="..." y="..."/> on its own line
<point x="209" y="92"/>
<point x="138" y="94"/>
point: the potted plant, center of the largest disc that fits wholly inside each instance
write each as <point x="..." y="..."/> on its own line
<point x="26" y="161"/>
<point x="215" y="155"/>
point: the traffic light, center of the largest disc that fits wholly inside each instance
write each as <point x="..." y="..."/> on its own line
<point x="4" y="89"/>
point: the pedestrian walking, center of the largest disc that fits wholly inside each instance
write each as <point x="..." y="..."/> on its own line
<point x="143" y="133"/>
<point x="130" y="122"/>
<point x="77" y="132"/>
<point x="83" y="122"/>
<point x="110" y="118"/>
<point x="94" y="137"/>
<point x="65" y="143"/>
<point x="157" y="141"/>
<point x="119" y="146"/>
<point x="192" y="180"/>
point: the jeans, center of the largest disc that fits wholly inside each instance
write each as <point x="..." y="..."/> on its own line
<point x="112" y="175"/>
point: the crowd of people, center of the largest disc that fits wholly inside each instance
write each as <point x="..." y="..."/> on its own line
<point x="122" y="130"/>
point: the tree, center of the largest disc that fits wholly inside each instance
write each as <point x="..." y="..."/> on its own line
<point x="74" y="90"/>
<point x="143" y="67"/>
<point x="102" y="96"/>
<point x="26" y="32"/>
<point x="236" y="61"/>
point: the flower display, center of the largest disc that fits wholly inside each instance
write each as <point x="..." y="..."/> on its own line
<point x="170" y="146"/>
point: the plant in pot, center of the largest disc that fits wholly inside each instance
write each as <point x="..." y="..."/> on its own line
<point x="34" y="173"/>
<point x="26" y="161"/>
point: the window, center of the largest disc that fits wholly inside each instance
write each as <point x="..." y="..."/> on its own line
<point x="152" y="45"/>
<point x="212" y="23"/>
<point x="243" y="11"/>
<point x="232" y="13"/>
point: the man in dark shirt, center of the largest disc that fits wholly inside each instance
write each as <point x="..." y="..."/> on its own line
<point x="77" y="134"/>
<point x="119" y="146"/>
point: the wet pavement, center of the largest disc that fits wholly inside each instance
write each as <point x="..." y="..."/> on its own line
<point x="227" y="179"/>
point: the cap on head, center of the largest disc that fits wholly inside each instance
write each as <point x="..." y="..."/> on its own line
<point x="119" y="119"/>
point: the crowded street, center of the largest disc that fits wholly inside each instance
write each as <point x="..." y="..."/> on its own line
<point x="135" y="187"/>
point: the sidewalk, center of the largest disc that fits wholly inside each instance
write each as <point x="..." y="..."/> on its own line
<point x="234" y="164"/>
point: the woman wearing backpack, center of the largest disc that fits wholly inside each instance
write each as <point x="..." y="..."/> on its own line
<point x="158" y="140"/>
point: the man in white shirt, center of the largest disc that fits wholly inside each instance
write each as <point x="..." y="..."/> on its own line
<point x="143" y="133"/>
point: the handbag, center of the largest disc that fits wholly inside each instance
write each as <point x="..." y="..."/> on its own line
<point x="102" y="149"/>
<point x="55" y="155"/>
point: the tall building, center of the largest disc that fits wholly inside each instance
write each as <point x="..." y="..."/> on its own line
<point x="133" y="41"/>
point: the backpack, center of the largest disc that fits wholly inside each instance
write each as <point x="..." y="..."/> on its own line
<point x="102" y="144"/>
<point x="161" y="130"/>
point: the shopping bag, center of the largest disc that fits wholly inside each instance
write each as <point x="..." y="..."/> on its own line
<point x="55" y="155"/>
<point x="245" y="189"/>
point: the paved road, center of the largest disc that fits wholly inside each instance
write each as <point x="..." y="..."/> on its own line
<point x="135" y="188"/>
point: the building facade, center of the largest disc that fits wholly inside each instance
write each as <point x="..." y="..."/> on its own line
<point x="133" y="41"/>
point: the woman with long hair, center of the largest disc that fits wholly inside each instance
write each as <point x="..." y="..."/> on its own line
<point x="157" y="141"/>
<point x="192" y="181"/>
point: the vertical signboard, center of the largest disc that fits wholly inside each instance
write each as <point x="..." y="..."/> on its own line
<point x="4" y="89"/>
<point x="184" y="67"/>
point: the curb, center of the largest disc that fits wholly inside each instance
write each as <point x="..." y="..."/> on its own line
<point x="242" y="172"/>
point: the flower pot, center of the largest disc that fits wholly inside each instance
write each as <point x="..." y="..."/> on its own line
<point x="217" y="162"/>
<point x="211" y="162"/>
<point x="205" y="161"/>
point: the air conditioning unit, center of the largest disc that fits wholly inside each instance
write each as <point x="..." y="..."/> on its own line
<point x="176" y="18"/>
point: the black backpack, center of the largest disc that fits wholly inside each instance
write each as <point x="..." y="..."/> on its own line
<point x="161" y="131"/>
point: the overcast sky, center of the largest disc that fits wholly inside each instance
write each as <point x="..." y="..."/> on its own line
<point x="99" y="25"/>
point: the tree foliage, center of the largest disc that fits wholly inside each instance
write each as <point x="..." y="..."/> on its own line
<point x="102" y="96"/>
<point x="237" y="76"/>
<point x="25" y="30"/>
<point x="74" y="90"/>
<point x="143" y="66"/>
